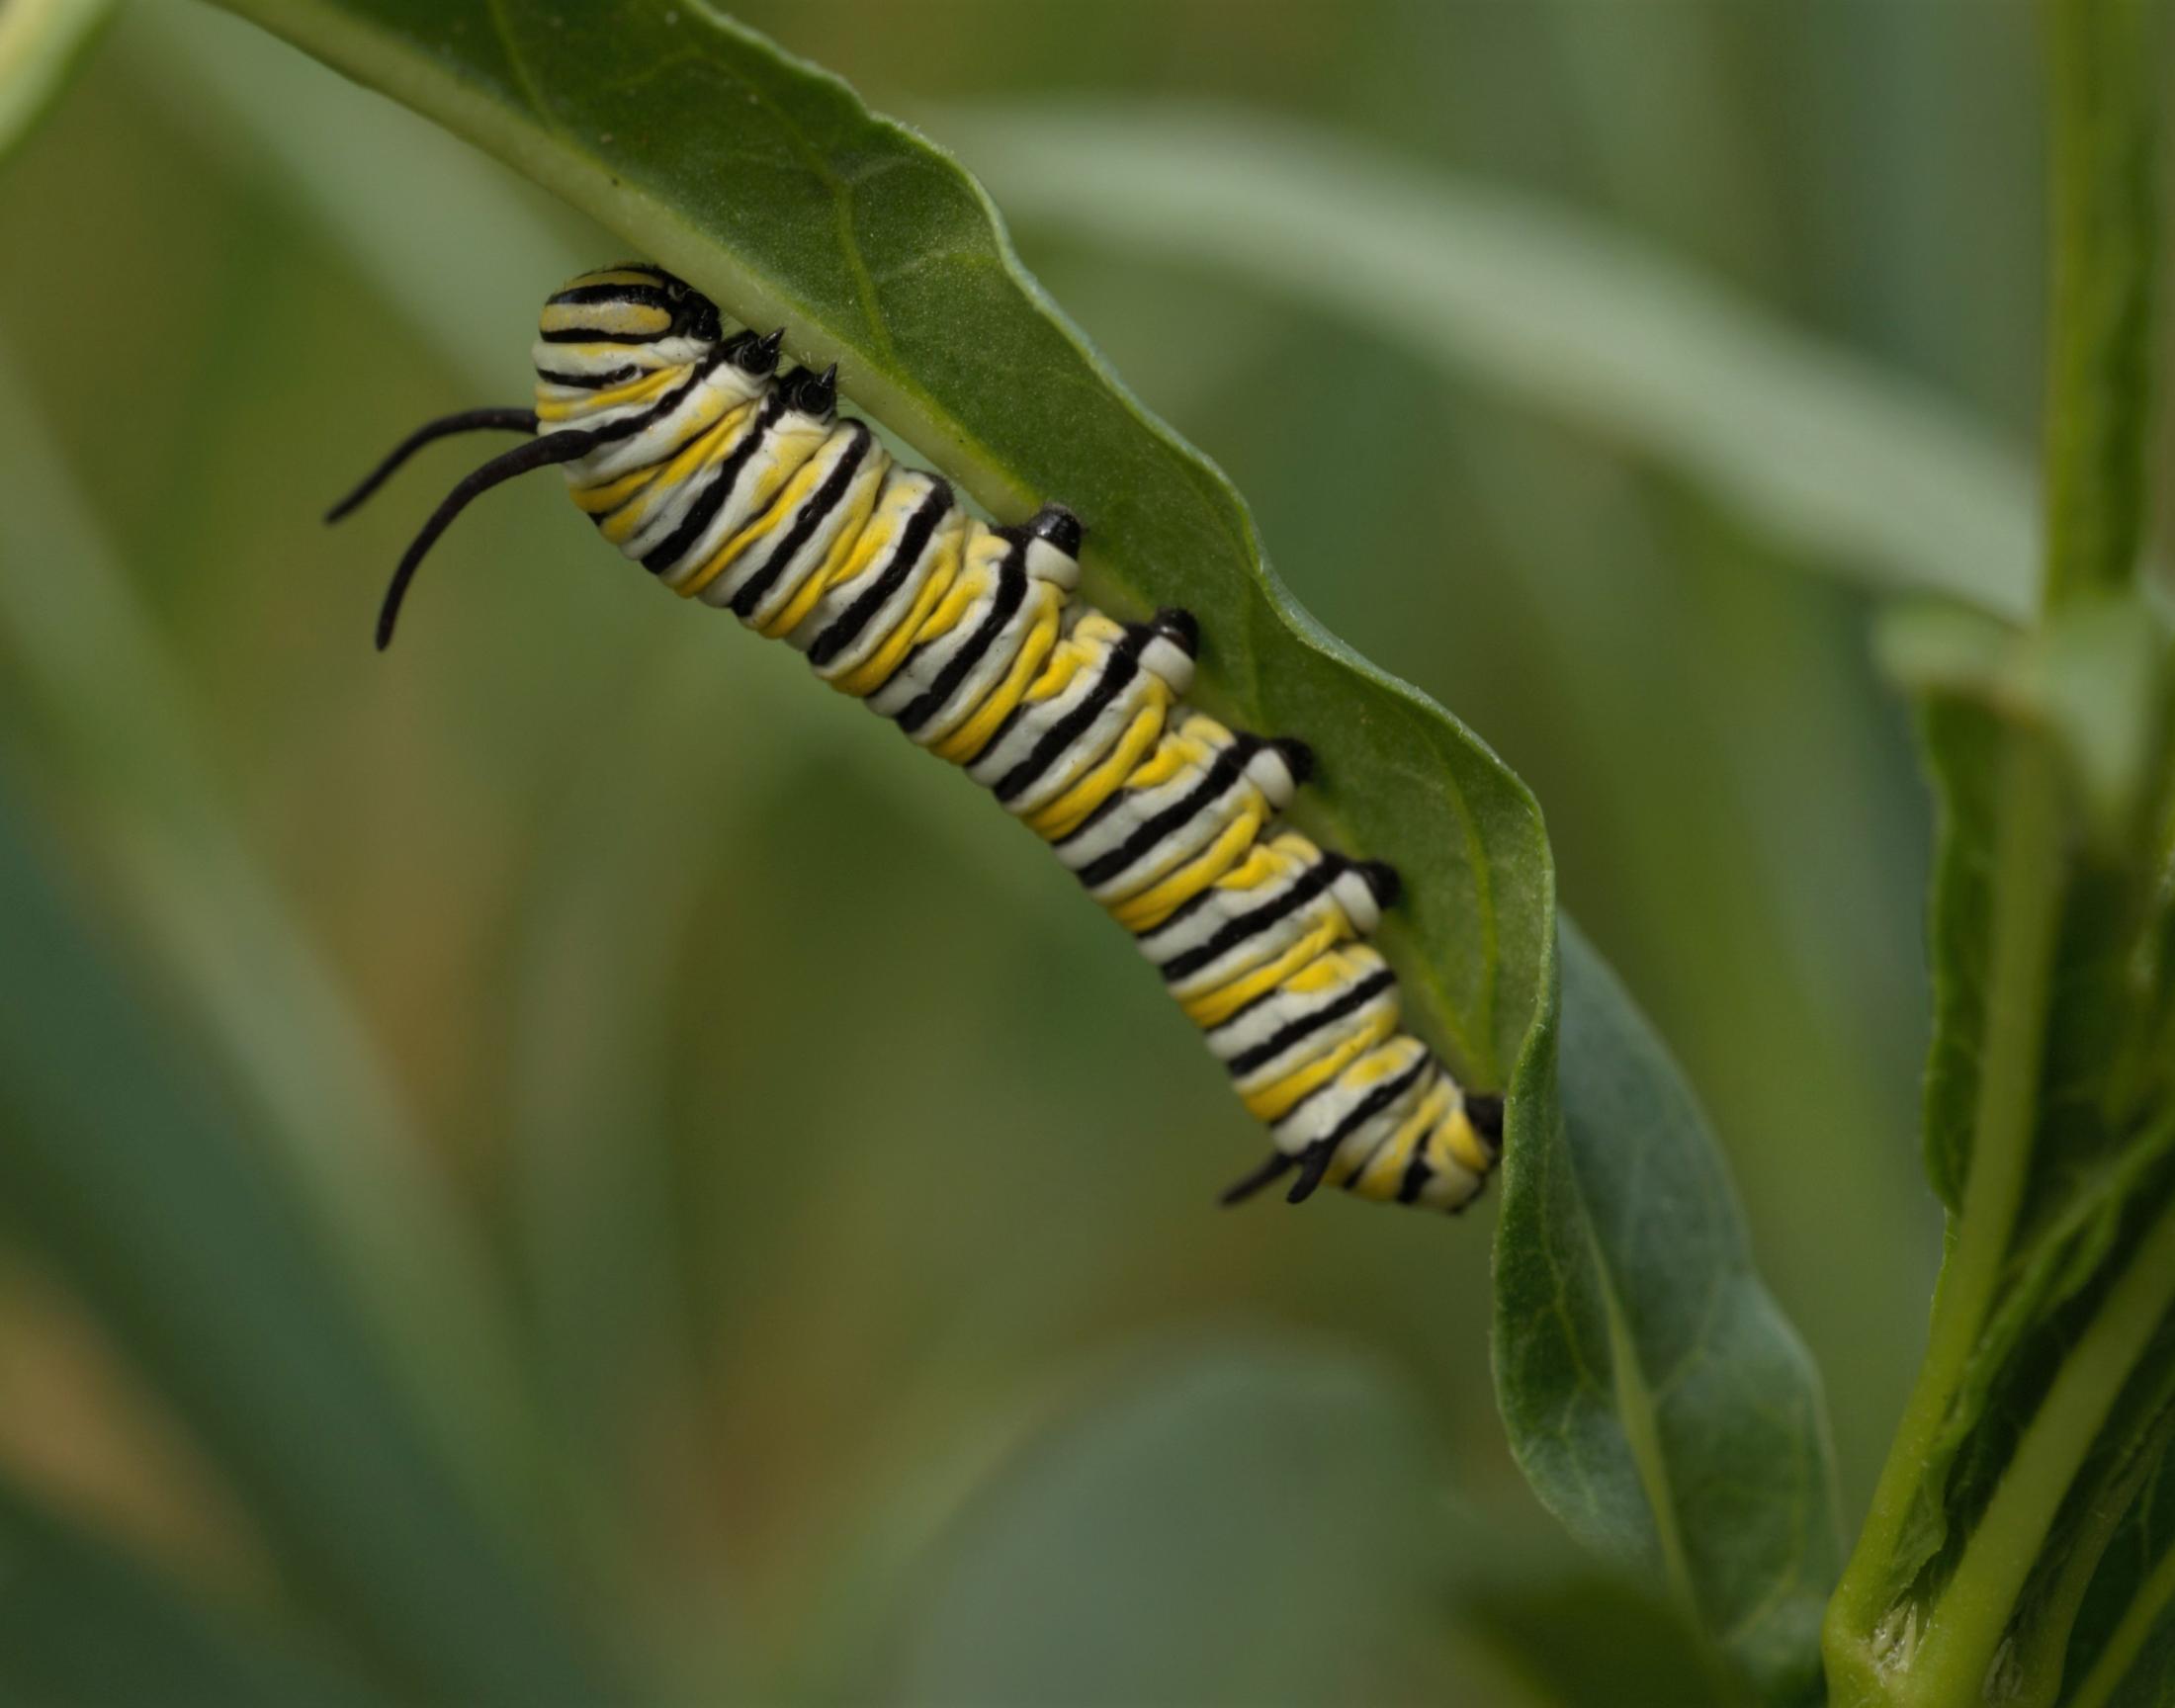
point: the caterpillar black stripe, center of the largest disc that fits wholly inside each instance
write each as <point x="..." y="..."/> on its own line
<point x="744" y="488"/>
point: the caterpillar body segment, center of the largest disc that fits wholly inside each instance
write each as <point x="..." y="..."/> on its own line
<point x="744" y="489"/>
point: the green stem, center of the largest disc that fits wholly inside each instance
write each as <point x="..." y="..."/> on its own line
<point x="2105" y="91"/>
<point x="1974" y="1609"/>
<point x="2027" y="890"/>
<point x="2106" y="74"/>
<point x="2041" y="1646"/>
<point x="2115" y="1660"/>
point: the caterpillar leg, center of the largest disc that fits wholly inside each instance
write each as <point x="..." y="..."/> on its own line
<point x="1409" y="1168"/>
<point x="1484" y="1109"/>
<point x="1313" y="1165"/>
<point x="1058" y="530"/>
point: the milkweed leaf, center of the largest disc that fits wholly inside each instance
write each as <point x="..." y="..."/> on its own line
<point x="1125" y="1553"/>
<point x="66" y="1597"/>
<point x="1862" y="472"/>
<point x="1657" y="1398"/>
<point x="125" y="1156"/>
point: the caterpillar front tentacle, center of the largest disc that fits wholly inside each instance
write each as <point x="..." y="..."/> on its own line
<point x="742" y="488"/>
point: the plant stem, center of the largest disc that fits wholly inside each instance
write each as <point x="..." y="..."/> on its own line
<point x="2143" y="1612"/>
<point x="2105" y="90"/>
<point x="2026" y="905"/>
<point x="1975" y="1607"/>
<point x="2105" y="78"/>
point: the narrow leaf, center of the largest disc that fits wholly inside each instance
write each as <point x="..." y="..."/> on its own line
<point x="1840" y="460"/>
<point x="88" y="671"/>
<point x="125" y="1158"/>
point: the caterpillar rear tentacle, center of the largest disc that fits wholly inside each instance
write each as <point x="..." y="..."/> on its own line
<point x="744" y="488"/>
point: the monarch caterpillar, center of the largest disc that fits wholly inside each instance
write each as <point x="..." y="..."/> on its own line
<point x="745" y="488"/>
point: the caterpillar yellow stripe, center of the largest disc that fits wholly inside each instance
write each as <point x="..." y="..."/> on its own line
<point x="744" y="488"/>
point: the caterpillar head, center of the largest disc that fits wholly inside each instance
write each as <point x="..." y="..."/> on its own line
<point x="620" y="345"/>
<point x="618" y="323"/>
<point x="617" y="351"/>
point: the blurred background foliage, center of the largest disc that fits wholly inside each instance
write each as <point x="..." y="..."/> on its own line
<point x="581" y="1126"/>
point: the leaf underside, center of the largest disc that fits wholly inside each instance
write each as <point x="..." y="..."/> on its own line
<point x="1655" y="1395"/>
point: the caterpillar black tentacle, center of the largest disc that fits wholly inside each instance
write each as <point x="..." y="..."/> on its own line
<point x="464" y="421"/>
<point x="742" y="487"/>
<point x="562" y="447"/>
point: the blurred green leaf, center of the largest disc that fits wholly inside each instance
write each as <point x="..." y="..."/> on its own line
<point x="42" y="42"/>
<point x="1630" y="1649"/>
<point x="90" y="674"/>
<point x="1237" y="1525"/>
<point x="600" y="1203"/>
<point x="1467" y="1612"/>
<point x="1655" y="1396"/>
<point x="766" y="184"/>
<point x="326" y="145"/>
<point x="1851" y="465"/>
<point x="120" y="1153"/>
<point x="84" y="1626"/>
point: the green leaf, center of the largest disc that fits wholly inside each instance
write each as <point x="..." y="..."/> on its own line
<point x="766" y="184"/>
<point x="1860" y="470"/>
<point x="1153" y="1547"/>
<point x="42" y="42"/>
<point x="1149" y="1492"/>
<point x="83" y="1626"/>
<point x="1630" y="1649"/>
<point x="125" y="1159"/>
<point x="113" y="716"/>
<point x="1656" y="1397"/>
<point x="348" y="167"/>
